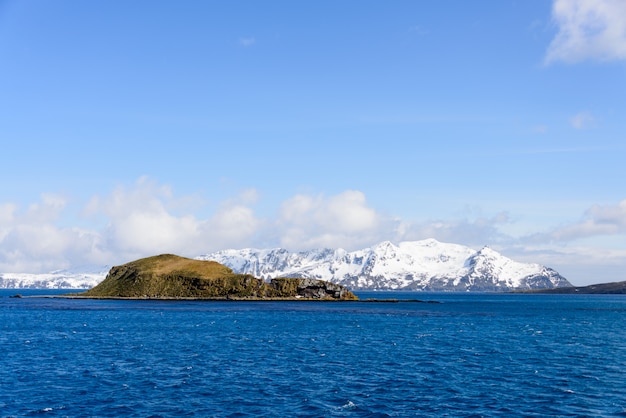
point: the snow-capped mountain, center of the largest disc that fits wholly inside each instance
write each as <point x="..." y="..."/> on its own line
<point x="77" y="278"/>
<point x="420" y="265"/>
<point x="426" y="265"/>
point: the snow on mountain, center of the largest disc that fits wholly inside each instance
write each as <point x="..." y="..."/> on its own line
<point x="76" y="278"/>
<point x="419" y="265"/>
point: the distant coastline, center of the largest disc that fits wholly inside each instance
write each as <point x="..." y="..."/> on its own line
<point x="79" y="296"/>
<point x="613" y="288"/>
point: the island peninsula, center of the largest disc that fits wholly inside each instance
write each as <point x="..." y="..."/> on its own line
<point x="169" y="276"/>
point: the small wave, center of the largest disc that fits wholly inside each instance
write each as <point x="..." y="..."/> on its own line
<point x="347" y="406"/>
<point x="43" y="411"/>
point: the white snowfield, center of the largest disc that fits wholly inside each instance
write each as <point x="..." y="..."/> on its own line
<point x="61" y="279"/>
<point x="418" y="265"/>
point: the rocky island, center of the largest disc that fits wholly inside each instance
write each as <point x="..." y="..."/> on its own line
<point x="169" y="276"/>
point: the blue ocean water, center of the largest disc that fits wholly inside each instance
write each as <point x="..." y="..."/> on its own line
<point x="470" y="355"/>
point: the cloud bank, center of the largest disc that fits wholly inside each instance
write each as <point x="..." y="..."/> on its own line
<point x="598" y="220"/>
<point x="588" y="30"/>
<point x="148" y="218"/>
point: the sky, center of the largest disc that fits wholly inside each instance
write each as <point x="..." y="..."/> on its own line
<point x="129" y="129"/>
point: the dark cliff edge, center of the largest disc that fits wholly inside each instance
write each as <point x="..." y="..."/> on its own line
<point x="169" y="276"/>
<point x="615" y="288"/>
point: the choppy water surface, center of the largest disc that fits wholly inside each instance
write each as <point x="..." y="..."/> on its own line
<point x="471" y="355"/>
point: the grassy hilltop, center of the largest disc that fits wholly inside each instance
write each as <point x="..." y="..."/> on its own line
<point x="169" y="276"/>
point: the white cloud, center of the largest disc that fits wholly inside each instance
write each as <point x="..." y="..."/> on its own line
<point x="48" y="209"/>
<point x="588" y="29"/>
<point x="588" y="251"/>
<point x="597" y="221"/>
<point x="31" y="240"/>
<point x="581" y="265"/>
<point x="148" y="218"/>
<point x="581" y="120"/>
<point x="233" y="226"/>
<point x="7" y="212"/>
<point x="476" y="231"/>
<point x="141" y="220"/>
<point x="347" y="212"/>
<point x="343" y="220"/>
<point x="7" y="216"/>
<point x="247" y="42"/>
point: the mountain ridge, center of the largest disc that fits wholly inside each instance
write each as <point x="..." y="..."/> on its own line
<point x="426" y="265"/>
<point x="57" y="279"/>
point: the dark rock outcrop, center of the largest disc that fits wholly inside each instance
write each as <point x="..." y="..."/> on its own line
<point x="311" y="288"/>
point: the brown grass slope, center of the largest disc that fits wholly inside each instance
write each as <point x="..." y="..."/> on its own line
<point x="170" y="276"/>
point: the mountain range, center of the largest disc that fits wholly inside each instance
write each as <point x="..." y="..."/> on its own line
<point x="426" y="265"/>
<point x="84" y="277"/>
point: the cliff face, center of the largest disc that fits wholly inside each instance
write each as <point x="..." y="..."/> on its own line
<point x="171" y="276"/>
<point x="310" y="289"/>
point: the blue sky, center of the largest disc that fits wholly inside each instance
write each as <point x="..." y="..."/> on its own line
<point x="130" y="129"/>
